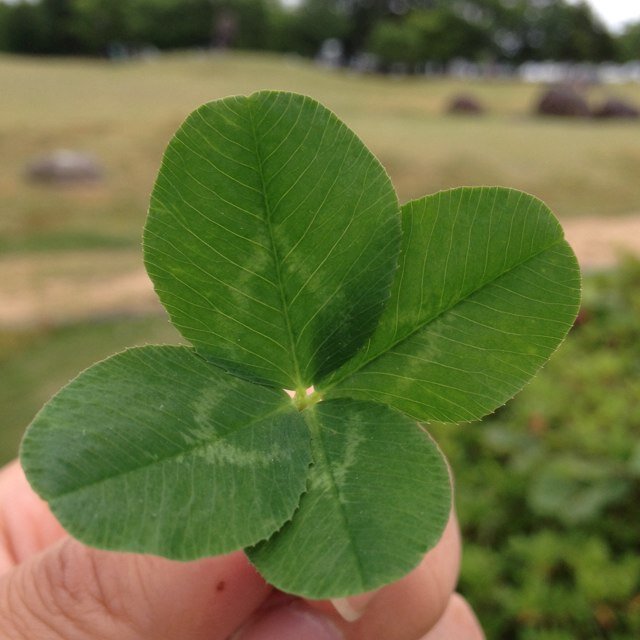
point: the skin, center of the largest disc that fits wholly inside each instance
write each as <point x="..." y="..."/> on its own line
<point x="54" y="588"/>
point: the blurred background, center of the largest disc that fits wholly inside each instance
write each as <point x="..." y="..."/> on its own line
<point x="541" y="95"/>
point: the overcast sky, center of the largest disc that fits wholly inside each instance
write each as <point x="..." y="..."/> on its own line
<point x="615" y="13"/>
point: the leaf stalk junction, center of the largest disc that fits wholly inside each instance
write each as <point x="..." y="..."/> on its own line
<point x="305" y="398"/>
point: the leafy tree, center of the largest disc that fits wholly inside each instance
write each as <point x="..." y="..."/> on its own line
<point x="436" y="35"/>
<point x="98" y="24"/>
<point x="26" y="29"/>
<point x="572" y="32"/>
<point x="4" y="12"/>
<point x="306" y="27"/>
<point x="628" y="43"/>
<point x="405" y="31"/>
<point x="250" y="20"/>
<point x="60" y="35"/>
<point x="170" y="24"/>
<point x="363" y="16"/>
<point x="447" y="34"/>
<point x="395" y="42"/>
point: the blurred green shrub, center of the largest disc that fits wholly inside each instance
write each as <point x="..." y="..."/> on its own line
<point x="549" y="487"/>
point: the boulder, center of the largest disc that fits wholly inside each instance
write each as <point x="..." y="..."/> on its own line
<point x="64" y="166"/>
<point x="465" y="104"/>
<point x="616" y="108"/>
<point x="563" y="101"/>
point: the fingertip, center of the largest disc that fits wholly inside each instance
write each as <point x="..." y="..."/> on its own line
<point x="458" y="621"/>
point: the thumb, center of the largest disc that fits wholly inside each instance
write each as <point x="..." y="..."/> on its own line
<point x="72" y="592"/>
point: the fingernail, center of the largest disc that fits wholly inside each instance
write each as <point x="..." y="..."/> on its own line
<point x="290" y="622"/>
<point x="352" y="608"/>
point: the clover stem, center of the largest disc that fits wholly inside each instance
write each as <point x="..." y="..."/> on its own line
<point x="304" y="398"/>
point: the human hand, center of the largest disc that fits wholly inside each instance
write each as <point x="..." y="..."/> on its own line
<point x="54" y="588"/>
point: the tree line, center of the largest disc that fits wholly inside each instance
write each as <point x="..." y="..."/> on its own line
<point x="405" y="33"/>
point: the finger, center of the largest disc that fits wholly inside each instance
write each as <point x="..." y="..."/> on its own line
<point x="26" y="524"/>
<point x="73" y="592"/>
<point x="291" y="620"/>
<point x="458" y="621"/>
<point x="407" y="609"/>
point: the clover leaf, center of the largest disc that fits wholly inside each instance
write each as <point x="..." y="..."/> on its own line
<point x="276" y="243"/>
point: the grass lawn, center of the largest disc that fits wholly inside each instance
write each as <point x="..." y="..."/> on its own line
<point x="126" y="112"/>
<point x="35" y="364"/>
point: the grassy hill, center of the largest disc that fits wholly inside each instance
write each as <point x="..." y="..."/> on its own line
<point x="126" y="112"/>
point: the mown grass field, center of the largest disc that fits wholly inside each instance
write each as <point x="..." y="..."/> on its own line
<point x="126" y="112"/>
<point x="547" y="489"/>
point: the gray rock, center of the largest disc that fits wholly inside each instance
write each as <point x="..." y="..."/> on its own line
<point x="465" y="104"/>
<point x="563" y="101"/>
<point x="64" y="166"/>
<point x="616" y="108"/>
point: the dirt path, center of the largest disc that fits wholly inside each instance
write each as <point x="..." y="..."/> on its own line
<point x="58" y="288"/>
<point x="54" y="288"/>
<point x="599" y="241"/>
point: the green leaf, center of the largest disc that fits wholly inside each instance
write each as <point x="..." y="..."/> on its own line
<point x="272" y="237"/>
<point x="157" y="450"/>
<point x="486" y="289"/>
<point x="379" y="497"/>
